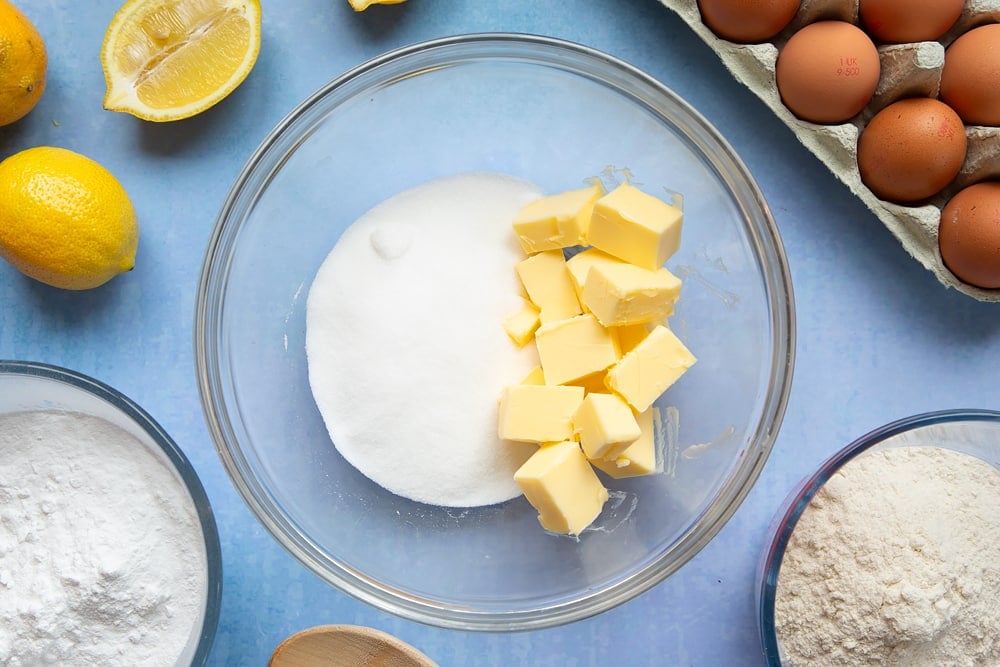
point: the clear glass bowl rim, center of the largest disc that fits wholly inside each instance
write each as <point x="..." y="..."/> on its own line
<point x="625" y="79"/>
<point x="174" y="454"/>
<point x="801" y="495"/>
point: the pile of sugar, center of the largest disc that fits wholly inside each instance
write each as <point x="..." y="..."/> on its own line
<point x="102" y="559"/>
<point x="406" y="352"/>
<point x="896" y="561"/>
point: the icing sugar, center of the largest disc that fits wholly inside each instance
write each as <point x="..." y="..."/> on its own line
<point x="102" y="560"/>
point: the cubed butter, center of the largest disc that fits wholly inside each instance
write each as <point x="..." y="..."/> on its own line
<point x="592" y="383"/>
<point x="605" y="426"/>
<point x="639" y="458"/>
<point x="561" y="485"/>
<point x="521" y="325"/>
<point x="580" y="263"/>
<point x="648" y="370"/>
<point x="538" y="413"/>
<point x="573" y="348"/>
<point x="636" y="227"/>
<point x="623" y="293"/>
<point x="556" y="221"/>
<point x="630" y="335"/>
<point x="547" y="282"/>
<point x="536" y="376"/>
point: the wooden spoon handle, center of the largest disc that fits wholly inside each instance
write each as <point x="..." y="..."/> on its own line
<point x="346" y="646"/>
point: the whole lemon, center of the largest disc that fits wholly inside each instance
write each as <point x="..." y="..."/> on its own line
<point x="64" y="219"/>
<point x="23" y="62"/>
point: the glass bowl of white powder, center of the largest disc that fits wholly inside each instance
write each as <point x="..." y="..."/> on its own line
<point x="109" y="553"/>
<point x="889" y="553"/>
<point x="400" y="180"/>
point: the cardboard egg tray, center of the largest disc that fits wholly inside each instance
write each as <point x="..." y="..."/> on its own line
<point x="908" y="70"/>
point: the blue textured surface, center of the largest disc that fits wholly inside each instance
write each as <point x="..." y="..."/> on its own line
<point x="878" y="337"/>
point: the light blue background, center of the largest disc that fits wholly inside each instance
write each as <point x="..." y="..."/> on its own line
<point x="878" y="337"/>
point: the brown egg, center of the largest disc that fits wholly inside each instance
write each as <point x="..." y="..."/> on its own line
<point x="911" y="149"/>
<point x="969" y="235"/>
<point x="899" y="21"/>
<point x="827" y="72"/>
<point x="747" y="21"/>
<point x="970" y="80"/>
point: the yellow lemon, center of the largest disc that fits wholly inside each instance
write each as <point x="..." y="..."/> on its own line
<point x="166" y="60"/>
<point x="362" y="5"/>
<point x="64" y="219"/>
<point x="23" y="62"/>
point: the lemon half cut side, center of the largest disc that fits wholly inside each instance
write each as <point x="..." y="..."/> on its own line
<point x="167" y="60"/>
<point x="362" y="5"/>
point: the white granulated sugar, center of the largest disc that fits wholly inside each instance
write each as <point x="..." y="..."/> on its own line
<point x="102" y="559"/>
<point x="896" y="561"/>
<point x="406" y="349"/>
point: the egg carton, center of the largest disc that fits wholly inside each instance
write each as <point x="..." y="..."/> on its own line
<point x="908" y="70"/>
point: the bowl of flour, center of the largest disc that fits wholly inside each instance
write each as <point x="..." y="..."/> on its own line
<point x="350" y="345"/>
<point x="890" y="553"/>
<point x="109" y="553"/>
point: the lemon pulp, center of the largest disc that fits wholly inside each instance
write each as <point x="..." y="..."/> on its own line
<point x="166" y="60"/>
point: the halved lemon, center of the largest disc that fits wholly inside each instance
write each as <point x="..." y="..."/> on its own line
<point x="171" y="59"/>
<point x="362" y="5"/>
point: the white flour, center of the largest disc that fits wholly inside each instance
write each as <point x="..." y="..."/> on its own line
<point x="102" y="560"/>
<point x="406" y="351"/>
<point x="896" y="562"/>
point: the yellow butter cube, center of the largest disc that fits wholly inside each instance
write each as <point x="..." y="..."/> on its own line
<point x="573" y="348"/>
<point x="630" y="335"/>
<point x="536" y="376"/>
<point x="521" y="325"/>
<point x="561" y="485"/>
<point x="627" y="294"/>
<point x="592" y="383"/>
<point x="605" y="425"/>
<point x="556" y="221"/>
<point x="538" y="413"/>
<point x="580" y="263"/>
<point x="648" y="370"/>
<point x="639" y="458"/>
<point x="636" y="227"/>
<point x="547" y="282"/>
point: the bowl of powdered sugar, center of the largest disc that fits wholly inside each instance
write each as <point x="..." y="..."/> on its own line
<point x="890" y="553"/>
<point x="109" y="553"/>
<point x="352" y="352"/>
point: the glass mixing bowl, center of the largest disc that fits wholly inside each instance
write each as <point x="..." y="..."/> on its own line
<point x="29" y="386"/>
<point x="972" y="432"/>
<point x="553" y="113"/>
